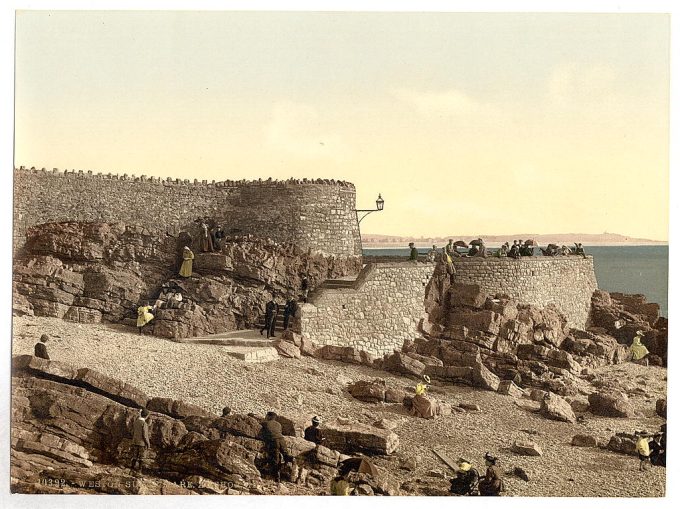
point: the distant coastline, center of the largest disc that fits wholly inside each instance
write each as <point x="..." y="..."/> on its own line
<point x="378" y="241"/>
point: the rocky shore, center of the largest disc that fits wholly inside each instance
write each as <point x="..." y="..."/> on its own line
<point x="299" y="388"/>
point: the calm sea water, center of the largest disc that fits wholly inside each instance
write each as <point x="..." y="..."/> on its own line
<point x="627" y="269"/>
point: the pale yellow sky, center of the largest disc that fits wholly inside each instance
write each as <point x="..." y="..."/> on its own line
<point x="466" y="123"/>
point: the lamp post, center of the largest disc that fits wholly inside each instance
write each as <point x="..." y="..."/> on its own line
<point x="379" y="204"/>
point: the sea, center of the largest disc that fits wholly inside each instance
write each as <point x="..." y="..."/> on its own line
<point x="626" y="269"/>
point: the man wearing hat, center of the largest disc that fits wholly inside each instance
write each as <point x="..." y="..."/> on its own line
<point x="491" y="484"/>
<point x="275" y="445"/>
<point x="313" y="433"/>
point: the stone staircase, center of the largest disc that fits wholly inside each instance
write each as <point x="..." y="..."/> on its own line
<point x="246" y="345"/>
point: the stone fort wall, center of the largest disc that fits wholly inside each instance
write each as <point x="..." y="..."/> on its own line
<point x="382" y="308"/>
<point x="315" y="214"/>
<point x="566" y="281"/>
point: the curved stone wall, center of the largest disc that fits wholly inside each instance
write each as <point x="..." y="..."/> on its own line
<point x="566" y="281"/>
<point x="314" y="214"/>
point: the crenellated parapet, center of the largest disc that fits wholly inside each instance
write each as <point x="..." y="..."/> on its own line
<point x="315" y="214"/>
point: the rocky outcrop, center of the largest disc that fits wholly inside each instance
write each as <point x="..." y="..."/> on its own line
<point x="622" y="315"/>
<point x="89" y="272"/>
<point x="72" y="430"/>
<point x="533" y="347"/>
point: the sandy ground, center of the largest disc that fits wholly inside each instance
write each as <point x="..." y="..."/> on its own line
<point x="206" y="376"/>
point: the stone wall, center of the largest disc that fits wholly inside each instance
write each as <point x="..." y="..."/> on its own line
<point x="381" y="309"/>
<point x="315" y="214"/>
<point x="568" y="282"/>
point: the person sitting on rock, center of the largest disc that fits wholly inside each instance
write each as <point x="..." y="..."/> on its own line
<point x="432" y="254"/>
<point x="421" y="405"/>
<point x="144" y="316"/>
<point x="565" y="251"/>
<point x="466" y="479"/>
<point x="639" y="351"/>
<point x="140" y="438"/>
<point x="491" y="484"/>
<point x="642" y="448"/>
<point x="313" y="433"/>
<point x="275" y="445"/>
<point x="40" y="349"/>
<point x="187" y="263"/>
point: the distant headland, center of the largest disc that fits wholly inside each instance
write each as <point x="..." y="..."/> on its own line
<point x="375" y="240"/>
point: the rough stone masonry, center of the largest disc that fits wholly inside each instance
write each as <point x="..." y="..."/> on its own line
<point x="318" y="215"/>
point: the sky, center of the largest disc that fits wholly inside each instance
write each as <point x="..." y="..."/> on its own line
<point x="466" y="123"/>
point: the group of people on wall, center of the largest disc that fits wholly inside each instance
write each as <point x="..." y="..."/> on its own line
<point x="477" y="248"/>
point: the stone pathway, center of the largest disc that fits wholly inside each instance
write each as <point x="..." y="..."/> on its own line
<point x="247" y="345"/>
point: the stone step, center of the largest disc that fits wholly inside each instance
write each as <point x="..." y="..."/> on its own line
<point x="246" y="345"/>
<point x="254" y="355"/>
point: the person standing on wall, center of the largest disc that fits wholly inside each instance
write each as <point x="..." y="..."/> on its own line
<point x="414" y="252"/>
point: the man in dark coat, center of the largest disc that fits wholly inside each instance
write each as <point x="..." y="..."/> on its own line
<point x="313" y="433"/>
<point x="289" y="311"/>
<point x="491" y="484"/>
<point x="217" y="236"/>
<point x="274" y="444"/>
<point x="140" y="438"/>
<point x="41" y="349"/>
<point x="270" y="318"/>
<point x="414" y="252"/>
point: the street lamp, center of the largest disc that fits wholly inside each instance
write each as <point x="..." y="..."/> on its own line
<point x="379" y="204"/>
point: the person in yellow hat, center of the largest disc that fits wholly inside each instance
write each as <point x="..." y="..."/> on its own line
<point x="638" y="350"/>
<point x="421" y="405"/>
<point x="466" y="479"/>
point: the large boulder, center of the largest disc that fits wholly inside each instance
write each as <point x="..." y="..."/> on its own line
<point x="402" y="363"/>
<point x="467" y="295"/>
<point x="623" y="443"/>
<point x="360" y="438"/>
<point x="556" y="408"/>
<point x="482" y="377"/>
<point x="372" y="391"/>
<point x="611" y="403"/>
<point x="176" y="408"/>
<point x="526" y="448"/>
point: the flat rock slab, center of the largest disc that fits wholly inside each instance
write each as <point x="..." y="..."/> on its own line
<point x="355" y="437"/>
